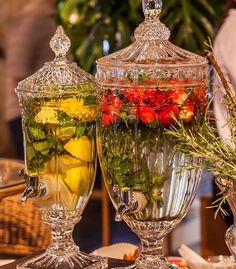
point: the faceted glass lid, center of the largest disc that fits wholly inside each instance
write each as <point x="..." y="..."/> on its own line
<point x="152" y="47"/>
<point x="59" y="72"/>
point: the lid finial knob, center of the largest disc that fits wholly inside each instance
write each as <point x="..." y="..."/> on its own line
<point x="152" y="28"/>
<point x="152" y="9"/>
<point x="60" y="43"/>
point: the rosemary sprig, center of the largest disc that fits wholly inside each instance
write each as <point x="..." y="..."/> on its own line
<point x="219" y="203"/>
<point x="202" y="140"/>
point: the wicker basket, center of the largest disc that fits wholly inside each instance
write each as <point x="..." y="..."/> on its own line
<point x="21" y="228"/>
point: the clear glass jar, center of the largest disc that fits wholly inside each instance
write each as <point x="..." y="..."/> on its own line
<point x="145" y="88"/>
<point x="228" y="189"/>
<point x="59" y="107"/>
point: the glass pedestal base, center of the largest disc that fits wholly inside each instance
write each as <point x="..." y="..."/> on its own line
<point x="150" y="264"/>
<point x="74" y="260"/>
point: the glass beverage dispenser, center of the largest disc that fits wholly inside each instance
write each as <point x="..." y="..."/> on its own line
<point x="59" y="109"/>
<point x="145" y="88"/>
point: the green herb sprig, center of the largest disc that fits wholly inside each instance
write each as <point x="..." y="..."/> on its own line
<point x="203" y="141"/>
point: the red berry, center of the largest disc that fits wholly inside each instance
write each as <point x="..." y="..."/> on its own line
<point x="146" y="114"/>
<point x="165" y="115"/>
<point x="106" y="119"/>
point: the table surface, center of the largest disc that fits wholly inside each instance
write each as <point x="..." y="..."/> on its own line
<point x="111" y="262"/>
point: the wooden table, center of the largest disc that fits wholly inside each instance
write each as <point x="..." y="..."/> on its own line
<point x="111" y="263"/>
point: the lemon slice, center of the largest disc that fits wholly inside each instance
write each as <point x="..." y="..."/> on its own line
<point x="75" y="108"/>
<point x="47" y="115"/>
<point x="77" y="179"/>
<point x="81" y="148"/>
<point x="62" y="163"/>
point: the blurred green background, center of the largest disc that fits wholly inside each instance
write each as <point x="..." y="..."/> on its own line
<point x="89" y="22"/>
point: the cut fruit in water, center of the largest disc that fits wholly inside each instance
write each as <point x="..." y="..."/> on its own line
<point x="77" y="179"/>
<point x="81" y="148"/>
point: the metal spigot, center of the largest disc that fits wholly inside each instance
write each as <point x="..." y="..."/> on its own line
<point x="128" y="204"/>
<point x="34" y="188"/>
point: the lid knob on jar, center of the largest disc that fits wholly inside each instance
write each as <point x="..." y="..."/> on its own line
<point x="60" y="44"/>
<point x="152" y="9"/>
<point x="152" y="28"/>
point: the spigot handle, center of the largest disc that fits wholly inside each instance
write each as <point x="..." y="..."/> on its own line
<point x="26" y="194"/>
<point x="121" y="212"/>
<point x="130" y="202"/>
<point x="33" y="187"/>
<point x="127" y="204"/>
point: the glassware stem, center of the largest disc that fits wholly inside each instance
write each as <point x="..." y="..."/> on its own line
<point x="151" y="253"/>
<point x="61" y="239"/>
<point x="152" y="256"/>
<point x="63" y="253"/>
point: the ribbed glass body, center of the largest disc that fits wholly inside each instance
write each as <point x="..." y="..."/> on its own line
<point x="145" y="89"/>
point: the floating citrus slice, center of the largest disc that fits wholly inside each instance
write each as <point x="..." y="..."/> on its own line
<point x="75" y="108"/>
<point x="47" y="115"/>
<point x="77" y="179"/>
<point x="81" y="148"/>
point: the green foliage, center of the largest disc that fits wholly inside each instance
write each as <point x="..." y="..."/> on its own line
<point x="190" y="23"/>
<point x="90" y="22"/>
